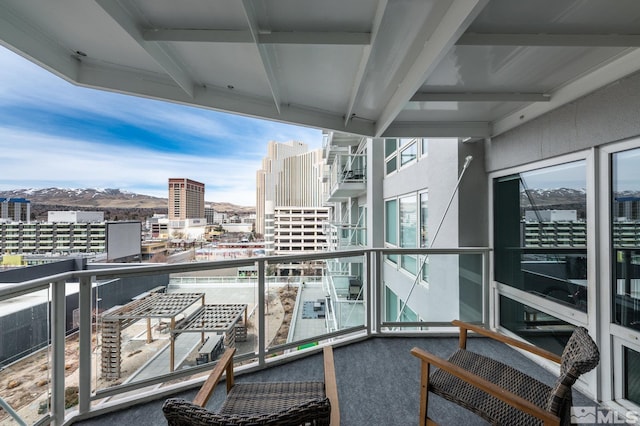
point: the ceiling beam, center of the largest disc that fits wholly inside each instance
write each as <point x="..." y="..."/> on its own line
<point x="21" y="37"/>
<point x="264" y="50"/>
<point x="157" y="86"/>
<point x="620" y="67"/>
<point x="578" y="40"/>
<point x="204" y="36"/>
<point x="439" y="129"/>
<point x="155" y="49"/>
<point x="245" y="36"/>
<point x="480" y="97"/>
<point x="427" y="53"/>
<point x="356" y="87"/>
<point x="322" y="38"/>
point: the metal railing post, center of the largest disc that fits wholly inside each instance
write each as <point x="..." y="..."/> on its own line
<point x="261" y="318"/>
<point x="377" y="291"/>
<point x="84" y="367"/>
<point x="58" y="322"/>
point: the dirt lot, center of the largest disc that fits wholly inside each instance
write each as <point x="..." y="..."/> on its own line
<point x="24" y="384"/>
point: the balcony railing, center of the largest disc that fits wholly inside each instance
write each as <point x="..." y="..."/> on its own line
<point x="348" y="176"/>
<point x="92" y="353"/>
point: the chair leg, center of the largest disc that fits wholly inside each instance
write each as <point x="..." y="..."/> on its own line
<point x="424" y="394"/>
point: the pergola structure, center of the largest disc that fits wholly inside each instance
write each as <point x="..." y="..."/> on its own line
<point x="212" y="318"/>
<point x="157" y="305"/>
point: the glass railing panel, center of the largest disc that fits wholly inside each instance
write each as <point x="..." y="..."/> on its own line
<point x="433" y="288"/>
<point x="315" y="298"/>
<point x="25" y="357"/>
<point x="172" y="325"/>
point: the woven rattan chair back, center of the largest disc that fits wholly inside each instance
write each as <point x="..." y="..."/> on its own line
<point x="580" y="356"/>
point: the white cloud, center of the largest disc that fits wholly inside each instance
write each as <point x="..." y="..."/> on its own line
<point x="41" y="154"/>
<point x="31" y="159"/>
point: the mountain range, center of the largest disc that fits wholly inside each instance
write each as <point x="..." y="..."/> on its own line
<point x="87" y="198"/>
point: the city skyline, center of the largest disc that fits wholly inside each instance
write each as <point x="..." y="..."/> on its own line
<point x="55" y="134"/>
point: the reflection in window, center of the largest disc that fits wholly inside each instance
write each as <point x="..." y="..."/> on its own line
<point x="541" y="329"/>
<point x="390" y="146"/>
<point x="408" y="230"/>
<point x="626" y="237"/>
<point x="391" y="165"/>
<point x="409" y="154"/>
<point x="424" y="234"/>
<point x="362" y="226"/>
<point x="391" y="222"/>
<point x="540" y="232"/>
<point x="424" y="214"/>
<point x="632" y="375"/>
<point x="390" y="155"/>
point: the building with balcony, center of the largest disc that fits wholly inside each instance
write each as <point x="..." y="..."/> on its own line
<point x="118" y="240"/>
<point x="543" y="96"/>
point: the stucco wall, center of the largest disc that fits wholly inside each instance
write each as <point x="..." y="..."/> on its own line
<point x="607" y="115"/>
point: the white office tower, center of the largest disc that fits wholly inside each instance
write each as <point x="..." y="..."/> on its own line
<point x="289" y="202"/>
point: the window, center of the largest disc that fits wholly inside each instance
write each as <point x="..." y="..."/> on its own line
<point x="424" y="213"/>
<point x="362" y="225"/>
<point x="391" y="227"/>
<point x="625" y="214"/>
<point x="391" y="222"/>
<point x="408" y="231"/>
<point x="390" y="155"/>
<point x="425" y="147"/>
<point x="632" y="375"/>
<point x="409" y="154"/>
<point x="424" y="234"/>
<point x="540" y="232"/>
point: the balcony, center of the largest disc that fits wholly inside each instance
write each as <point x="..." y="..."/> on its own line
<point x="348" y="177"/>
<point x="344" y="236"/>
<point x="371" y="330"/>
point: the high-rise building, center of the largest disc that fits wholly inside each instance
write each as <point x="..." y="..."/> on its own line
<point x="267" y="176"/>
<point x="186" y="199"/>
<point x="15" y="209"/>
<point x="291" y="181"/>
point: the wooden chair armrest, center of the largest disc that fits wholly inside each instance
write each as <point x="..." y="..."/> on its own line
<point x="225" y="363"/>
<point x="504" y="339"/>
<point x="488" y="387"/>
<point x="330" y="384"/>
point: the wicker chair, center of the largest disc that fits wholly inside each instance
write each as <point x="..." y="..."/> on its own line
<point x="499" y="393"/>
<point x="281" y="403"/>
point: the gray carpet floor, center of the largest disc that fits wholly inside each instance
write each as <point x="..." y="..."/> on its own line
<point x="378" y="383"/>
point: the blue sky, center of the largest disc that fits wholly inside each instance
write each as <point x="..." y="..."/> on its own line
<point x="55" y="134"/>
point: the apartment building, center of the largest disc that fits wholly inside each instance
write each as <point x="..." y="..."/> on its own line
<point x="23" y="238"/>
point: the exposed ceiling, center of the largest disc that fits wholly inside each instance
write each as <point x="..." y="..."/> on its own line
<point x="464" y="68"/>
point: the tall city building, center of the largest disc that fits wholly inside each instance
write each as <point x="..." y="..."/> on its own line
<point x="15" y="209"/>
<point x="289" y="189"/>
<point x="186" y="199"/>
